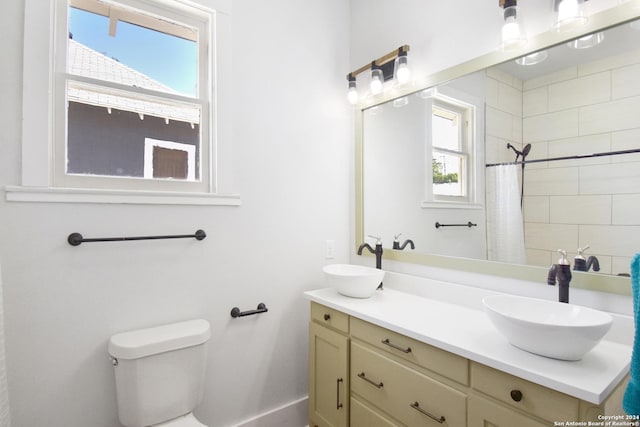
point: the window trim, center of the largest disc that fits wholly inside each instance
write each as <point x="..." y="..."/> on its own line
<point x="475" y="161"/>
<point x="37" y="178"/>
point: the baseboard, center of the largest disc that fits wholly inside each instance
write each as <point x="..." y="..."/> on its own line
<point x="292" y="414"/>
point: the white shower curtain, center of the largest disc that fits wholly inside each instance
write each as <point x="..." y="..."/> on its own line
<point x="505" y="230"/>
<point x="5" y="420"/>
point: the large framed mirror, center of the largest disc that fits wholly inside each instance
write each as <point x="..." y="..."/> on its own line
<point x="435" y="162"/>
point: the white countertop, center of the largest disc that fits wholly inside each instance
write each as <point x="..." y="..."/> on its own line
<point x="469" y="333"/>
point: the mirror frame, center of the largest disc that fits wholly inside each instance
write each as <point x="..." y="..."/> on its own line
<point x="608" y="18"/>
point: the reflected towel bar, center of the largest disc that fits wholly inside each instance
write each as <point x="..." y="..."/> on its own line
<point x="235" y="311"/>
<point x="469" y="224"/>
<point x="76" y="239"/>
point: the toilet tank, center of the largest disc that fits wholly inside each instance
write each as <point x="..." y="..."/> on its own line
<point x="159" y="371"/>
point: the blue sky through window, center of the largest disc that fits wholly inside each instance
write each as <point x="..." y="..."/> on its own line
<point x="168" y="59"/>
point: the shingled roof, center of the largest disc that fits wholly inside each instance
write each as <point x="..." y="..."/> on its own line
<point x="86" y="62"/>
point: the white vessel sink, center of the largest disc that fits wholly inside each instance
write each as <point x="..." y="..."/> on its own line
<point x="352" y="280"/>
<point x="547" y="328"/>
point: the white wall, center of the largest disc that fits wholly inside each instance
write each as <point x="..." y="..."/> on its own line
<point x="292" y="142"/>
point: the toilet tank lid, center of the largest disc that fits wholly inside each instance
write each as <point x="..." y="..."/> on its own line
<point x="159" y="339"/>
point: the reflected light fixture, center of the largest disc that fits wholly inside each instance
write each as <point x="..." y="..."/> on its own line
<point x="571" y="14"/>
<point x="532" y="59"/>
<point x="393" y="64"/>
<point x="513" y="34"/>
<point x="587" y="41"/>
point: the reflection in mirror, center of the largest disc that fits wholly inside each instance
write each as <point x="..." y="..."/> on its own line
<point x="425" y="161"/>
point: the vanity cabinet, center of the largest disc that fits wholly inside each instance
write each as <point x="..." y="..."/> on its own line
<point x="328" y="368"/>
<point x="363" y="375"/>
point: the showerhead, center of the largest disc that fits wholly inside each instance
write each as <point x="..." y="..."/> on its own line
<point x="525" y="150"/>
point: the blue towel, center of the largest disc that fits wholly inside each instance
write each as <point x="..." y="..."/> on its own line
<point x="631" y="401"/>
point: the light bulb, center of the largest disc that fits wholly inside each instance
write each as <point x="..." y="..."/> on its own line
<point x="376" y="81"/>
<point x="403" y="73"/>
<point x="513" y="36"/>
<point x="352" y="94"/>
<point x="570" y="15"/>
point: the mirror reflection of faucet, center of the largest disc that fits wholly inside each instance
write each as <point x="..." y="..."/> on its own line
<point x="377" y="252"/>
<point x="562" y="273"/>
<point x="398" y="246"/>
<point x="582" y="264"/>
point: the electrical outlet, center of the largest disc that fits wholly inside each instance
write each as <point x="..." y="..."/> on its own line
<point x="329" y="249"/>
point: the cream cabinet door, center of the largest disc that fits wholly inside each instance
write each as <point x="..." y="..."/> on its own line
<point x="483" y="413"/>
<point x="328" y="377"/>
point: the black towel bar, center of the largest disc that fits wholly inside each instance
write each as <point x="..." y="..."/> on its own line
<point x="468" y="224"/>
<point x="235" y="311"/>
<point x="76" y="239"/>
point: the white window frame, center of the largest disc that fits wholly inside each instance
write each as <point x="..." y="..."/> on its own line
<point x="464" y="115"/>
<point x="472" y="110"/>
<point x="41" y="119"/>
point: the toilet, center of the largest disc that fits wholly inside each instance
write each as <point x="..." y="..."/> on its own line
<point x="159" y="373"/>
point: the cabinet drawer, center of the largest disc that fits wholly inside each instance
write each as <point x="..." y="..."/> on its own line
<point x="483" y="413"/>
<point x="540" y="401"/>
<point x="363" y="416"/>
<point x="407" y="395"/>
<point x="330" y="317"/>
<point x="429" y="357"/>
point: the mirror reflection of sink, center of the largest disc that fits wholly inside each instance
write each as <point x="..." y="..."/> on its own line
<point x="547" y="328"/>
<point x="351" y="280"/>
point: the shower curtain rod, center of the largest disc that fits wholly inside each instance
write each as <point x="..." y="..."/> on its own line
<point x="574" y="157"/>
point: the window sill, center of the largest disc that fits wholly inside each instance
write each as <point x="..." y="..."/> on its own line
<point x="450" y="205"/>
<point x="75" y="195"/>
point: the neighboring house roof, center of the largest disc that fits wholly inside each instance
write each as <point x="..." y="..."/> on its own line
<point x="86" y="62"/>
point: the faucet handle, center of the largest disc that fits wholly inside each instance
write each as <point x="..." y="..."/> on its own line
<point x="563" y="257"/>
<point x="581" y="250"/>
<point x="378" y="239"/>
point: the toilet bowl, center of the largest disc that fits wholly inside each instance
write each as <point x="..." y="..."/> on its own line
<point x="160" y="374"/>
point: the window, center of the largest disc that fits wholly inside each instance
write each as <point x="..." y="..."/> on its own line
<point x="122" y="95"/>
<point x="449" y="148"/>
<point x="451" y="151"/>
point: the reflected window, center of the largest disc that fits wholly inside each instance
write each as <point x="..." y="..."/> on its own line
<point x="450" y="177"/>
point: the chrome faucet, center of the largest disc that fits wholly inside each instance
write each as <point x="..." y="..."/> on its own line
<point x="377" y="252"/>
<point x="562" y="273"/>
<point x="398" y="246"/>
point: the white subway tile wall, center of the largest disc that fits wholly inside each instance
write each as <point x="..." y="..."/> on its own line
<point x="569" y="204"/>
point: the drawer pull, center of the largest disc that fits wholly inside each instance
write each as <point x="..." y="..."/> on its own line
<point x="416" y="406"/>
<point x="327" y="316"/>
<point x="516" y="395"/>
<point x="397" y="347"/>
<point x="378" y="385"/>
<point x="338" y="404"/>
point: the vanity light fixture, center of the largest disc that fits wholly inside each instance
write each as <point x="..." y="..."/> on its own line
<point x="586" y="42"/>
<point x="532" y="59"/>
<point x="513" y="34"/>
<point x="352" y="94"/>
<point x="571" y="14"/>
<point x="401" y="68"/>
<point x="394" y="63"/>
<point x="377" y="79"/>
